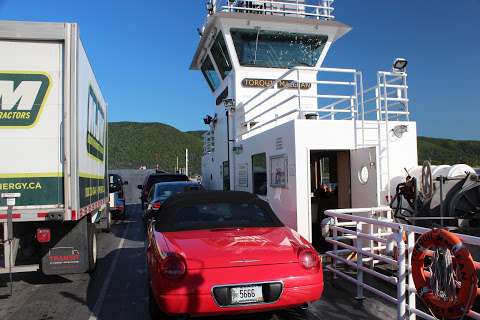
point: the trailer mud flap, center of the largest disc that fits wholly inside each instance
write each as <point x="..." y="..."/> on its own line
<point x="67" y="253"/>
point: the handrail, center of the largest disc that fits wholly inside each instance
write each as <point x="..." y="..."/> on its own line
<point x="294" y="8"/>
<point x="274" y="83"/>
<point x="366" y="248"/>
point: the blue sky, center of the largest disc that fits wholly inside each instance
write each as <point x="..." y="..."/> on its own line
<point x="141" y="51"/>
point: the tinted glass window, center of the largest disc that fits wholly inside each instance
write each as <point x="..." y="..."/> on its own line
<point x="115" y="183"/>
<point x="259" y="170"/>
<point x="162" y="192"/>
<point x="165" y="178"/>
<point x="221" y="57"/>
<point x="114" y="179"/>
<point x="222" y="215"/>
<point x="210" y="74"/>
<point x="274" y="49"/>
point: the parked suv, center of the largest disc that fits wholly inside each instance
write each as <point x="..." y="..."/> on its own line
<point x="156" y="178"/>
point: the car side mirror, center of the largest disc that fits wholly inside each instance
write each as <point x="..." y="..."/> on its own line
<point x="140" y="187"/>
<point x="125" y="183"/>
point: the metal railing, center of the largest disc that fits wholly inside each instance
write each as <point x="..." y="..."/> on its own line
<point x="372" y="233"/>
<point x="328" y="105"/>
<point x="386" y="101"/>
<point x="322" y="9"/>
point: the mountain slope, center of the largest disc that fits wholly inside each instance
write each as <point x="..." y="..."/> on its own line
<point x="132" y="145"/>
<point x="447" y="151"/>
<point x="135" y="144"/>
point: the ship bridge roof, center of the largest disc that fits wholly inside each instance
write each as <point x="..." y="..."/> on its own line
<point x="213" y="22"/>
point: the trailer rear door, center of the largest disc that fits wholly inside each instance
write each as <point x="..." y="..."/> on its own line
<point x="31" y="102"/>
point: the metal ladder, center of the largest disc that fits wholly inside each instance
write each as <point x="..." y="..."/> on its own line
<point x="390" y="100"/>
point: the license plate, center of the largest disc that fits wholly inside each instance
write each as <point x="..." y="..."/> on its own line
<point x="250" y="294"/>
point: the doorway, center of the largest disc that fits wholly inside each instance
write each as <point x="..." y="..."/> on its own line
<point x="329" y="188"/>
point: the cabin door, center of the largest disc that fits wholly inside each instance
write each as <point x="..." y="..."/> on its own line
<point x="364" y="178"/>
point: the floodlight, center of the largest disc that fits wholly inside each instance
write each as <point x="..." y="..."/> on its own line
<point x="400" y="65"/>
<point x="399" y="130"/>
<point x="208" y="119"/>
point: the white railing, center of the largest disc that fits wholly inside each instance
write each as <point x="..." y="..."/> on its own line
<point x="334" y="99"/>
<point x="371" y="234"/>
<point x="322" y="9"/>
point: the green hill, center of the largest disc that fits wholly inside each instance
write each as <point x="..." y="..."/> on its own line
<point x="447" y="151"/>
<point x="132" y="145"/>
<point x="135" y="144"/>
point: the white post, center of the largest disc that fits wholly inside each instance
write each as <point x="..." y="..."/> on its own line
<point x="335" y="247"/>
<point x="401" y="286"/>
<point x="186" y="162"/>
<point x="299" y="92"/>
<point x="176" y="168"/>
<point x="359" y="263"/>
<point x="387" y="133"/>
<point x="326" y="11"/>
<point x="214" y="3"/>
<point x="412" y="300"/>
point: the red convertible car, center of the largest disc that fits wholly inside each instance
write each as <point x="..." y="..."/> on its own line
<point x="219" y="253"/>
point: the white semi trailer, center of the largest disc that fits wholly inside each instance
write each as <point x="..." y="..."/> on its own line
<point x="53" y="150"/>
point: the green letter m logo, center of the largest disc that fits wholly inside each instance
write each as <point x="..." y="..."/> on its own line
<point x="22" y="97"/>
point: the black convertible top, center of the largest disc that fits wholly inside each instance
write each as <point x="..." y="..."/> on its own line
<point x="206" y="196"/>
<point x="189" y="198"/>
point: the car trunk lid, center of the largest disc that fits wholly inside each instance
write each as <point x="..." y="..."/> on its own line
<point x="231" y="247"/>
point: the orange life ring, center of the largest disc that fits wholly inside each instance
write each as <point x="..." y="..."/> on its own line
<point x="465" y="271"/>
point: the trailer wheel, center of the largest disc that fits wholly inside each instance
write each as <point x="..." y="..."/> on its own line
<point x="92" y="247"/>
<point x="108" y="222"/>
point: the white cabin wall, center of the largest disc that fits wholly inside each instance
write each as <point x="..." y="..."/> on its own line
<point x="282" y="200"/>
<point x="403" y="155"/>
<point x="316" y="135"/>
<point x="283" y="101"/>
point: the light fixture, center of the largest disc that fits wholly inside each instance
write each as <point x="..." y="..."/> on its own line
<point x="400" y="65"/>
<point x="399" y="130"/>
<point x="229" y="104"/>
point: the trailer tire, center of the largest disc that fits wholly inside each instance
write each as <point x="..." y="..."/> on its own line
<point x="92" y="247"/>
<point x="108" y="222"/>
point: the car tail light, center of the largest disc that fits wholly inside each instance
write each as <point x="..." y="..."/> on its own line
<point x="173" y="267"/>
<point x="43" y="235"/>
<point x="308" y="259"/>
<point x="156" y="205"/>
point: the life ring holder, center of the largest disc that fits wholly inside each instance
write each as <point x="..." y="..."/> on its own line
<point x="466" y="272"/>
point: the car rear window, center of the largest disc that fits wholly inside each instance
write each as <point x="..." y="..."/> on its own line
<point x="162" y="192"/>
<point x="156" y="179"/>
<point x="217" y="215"/>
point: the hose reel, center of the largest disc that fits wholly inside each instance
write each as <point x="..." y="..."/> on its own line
<point x="426" y="183"/>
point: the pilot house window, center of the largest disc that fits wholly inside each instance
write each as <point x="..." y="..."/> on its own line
<point x="210" y="74"/>
<point x="276" y="49"/>
<point x="221" y="57"/>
